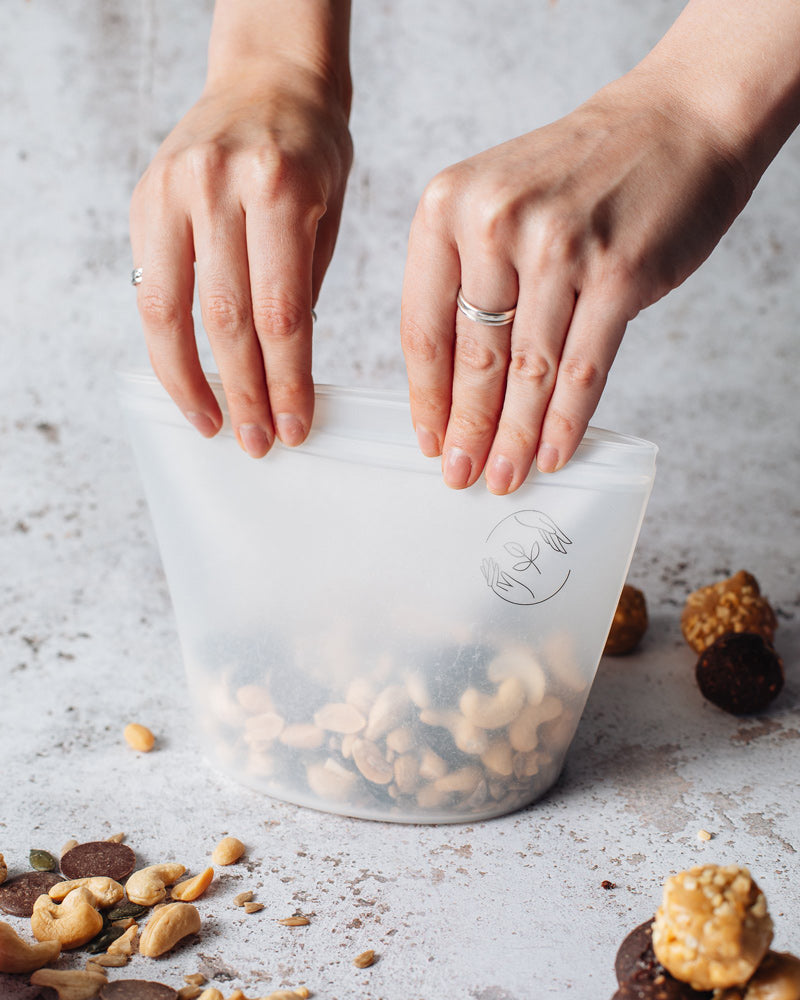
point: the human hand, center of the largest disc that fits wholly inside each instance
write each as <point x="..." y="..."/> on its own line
<point x="580" y="224"/>
<point x="249" y="185"/>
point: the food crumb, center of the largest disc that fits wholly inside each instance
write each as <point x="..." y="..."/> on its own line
<point x="704" y="835"/>
<point x="605" y="884"/>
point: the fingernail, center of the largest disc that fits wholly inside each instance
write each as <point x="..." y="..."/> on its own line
<point x="289" y="429"/>
<point x="457" y="468"/>
<point x="202" y="423"/>
<point x="254" y="440"/>
<point x="547" y="458"/>
<point x="428" y="442"/>
<point x="499" y="473"/>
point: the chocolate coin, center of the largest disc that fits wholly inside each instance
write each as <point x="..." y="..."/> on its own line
<point x="99" y="857"/>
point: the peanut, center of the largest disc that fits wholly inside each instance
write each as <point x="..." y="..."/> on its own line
<point x="139" y="737"/>
<point x="193" y="888"/>
<point x="167" y="926"/>
<point x="227" y="851"/>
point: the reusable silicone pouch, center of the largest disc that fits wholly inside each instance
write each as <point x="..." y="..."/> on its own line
<point x="357" y="637"/>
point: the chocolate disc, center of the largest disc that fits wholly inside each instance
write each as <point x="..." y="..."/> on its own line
<point x="99" y="857"/>
<point x="13" y="988"/>
<point x="136" y="989"/>
<point x="642" y="977"/>
<point x="18" y="895"/>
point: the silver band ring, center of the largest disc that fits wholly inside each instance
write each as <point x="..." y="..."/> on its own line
<point x="483" y="316"/>
<point x="136" y="276"/>
<point x="313" y="316"/>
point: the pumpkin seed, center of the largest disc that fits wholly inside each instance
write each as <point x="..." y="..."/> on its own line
<point x="106" y="937"/>
<point x="125" y="910"/>
<point x="42" y="861"/>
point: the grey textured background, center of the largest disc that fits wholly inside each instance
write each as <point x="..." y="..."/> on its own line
<point x="507" y="910"/>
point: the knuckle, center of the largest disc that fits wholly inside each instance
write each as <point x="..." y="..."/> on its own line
<point x="225" y="314"/>
<point x="471" y="425"/>
<point x="437" y="199"/>
<point x="277" y="318"/>
<point x="160" y="310"/>
<point x="582" y="374"/>
<point x="478" y="357"/>
<point x="532" y="368"/>
<point x="417" y="342"/>
<point x="496" y="219"/>
<point x="560" y="242"/>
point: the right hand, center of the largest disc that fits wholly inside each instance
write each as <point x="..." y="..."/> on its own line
<point x="249" y="185"/>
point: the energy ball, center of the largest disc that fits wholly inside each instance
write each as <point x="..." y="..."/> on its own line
<point x="777" y="978"/>
<point x="629" y="624"/>
<point x="712" y="929"/>
<point x="732" y="605"/>
<point x="740" y="673"/>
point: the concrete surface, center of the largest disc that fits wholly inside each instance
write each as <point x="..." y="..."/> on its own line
<point x="512" y="909"/>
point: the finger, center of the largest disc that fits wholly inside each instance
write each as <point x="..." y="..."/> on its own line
<point x="537" y="340"/>
<point x="427" y="324"/>
<point x="281" y="243"/>
<point x="161" y="240"/>
<point x="480" y="365"/>
<point x="224" y="291"/>
<point x="595" y="333"/>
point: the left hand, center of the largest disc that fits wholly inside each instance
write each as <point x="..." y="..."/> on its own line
<point x="580" y="224"/>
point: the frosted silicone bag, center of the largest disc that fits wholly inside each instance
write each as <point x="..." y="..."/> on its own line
<point x="344" y="572"/>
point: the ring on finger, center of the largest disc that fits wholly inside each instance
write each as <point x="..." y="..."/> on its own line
<point x="484" y="316"/>
<point x="136" y="276"/>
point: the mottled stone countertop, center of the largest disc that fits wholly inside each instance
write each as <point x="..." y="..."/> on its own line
<point x="510" y="909"/>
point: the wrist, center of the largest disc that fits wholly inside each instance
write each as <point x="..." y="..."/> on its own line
<point x="255" y="42"/>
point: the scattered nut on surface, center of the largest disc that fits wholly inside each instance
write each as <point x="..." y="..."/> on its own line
<point x="629" y="624"/>
<point x="74" y="922"/>
<point x="189" y="992"/>
<point x="116" y="838"/>
<point x="193" y="888"/>
<point x="253" y="907"/>
<point x="242" y="898"/>
<point x="195" y="979"/>
<point x="70" y="984"/>
<point x="17" y="955"/>
<point x="732" y="605"/>
<point x="712" y="929"/>
<point x="298" y="920"/>
<point x="3" y="869"/>
<point x="167" y="926"/>
<point x="148" y="886"/>
<point x="72" y="842"/>
<point x="227" y="851"/>
<point x="139" y="737"/>
<point x="365" y="959"/>
<point x="704" y="835"/>
<point x="211" y="993"/>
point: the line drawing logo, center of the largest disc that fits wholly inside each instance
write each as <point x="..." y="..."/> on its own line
<point x="527" y="560"/>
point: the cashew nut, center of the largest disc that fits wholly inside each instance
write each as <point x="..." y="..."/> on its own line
<point x="519" y="661"/>
<point x="17" y="955"/>
<point x="193" y="888"/>
<point x="105" y="891"/>
<point x="255" y="699"/>
<point x="431" y="765"/>
<point x="167" y="926"/>
<point x="391" y="707"/>
<point x="73" y="922"/>
<point x="464" y="781"/>
<point x="400" y="740"/>
<point x="467" y="736"/>
<point x="149" y="885"/>
<point x="497" y="758"/>
<point x="492" y="711"/>
<point x="70" y="984"/>
<point x="371" y="763"/>
<point x="406" y="773"/>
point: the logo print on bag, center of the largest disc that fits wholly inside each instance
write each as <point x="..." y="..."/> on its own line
<point x="527" y="560"/>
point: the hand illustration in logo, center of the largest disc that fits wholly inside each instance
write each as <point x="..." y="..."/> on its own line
<point x="518" y="569"/>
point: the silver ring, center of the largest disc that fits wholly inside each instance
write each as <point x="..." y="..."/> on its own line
<point x="313" y="316"/>
<point x="136" y="276"/>
<point x="483" y="316"/>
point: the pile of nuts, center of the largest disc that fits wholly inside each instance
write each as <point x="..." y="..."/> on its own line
<point x="712" y="932"/>
<point x="97" y="904"/>
<point x="481" y="737"/>
<point x="732" y="626"/>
